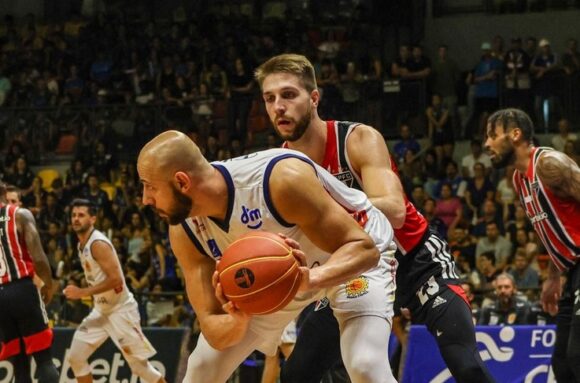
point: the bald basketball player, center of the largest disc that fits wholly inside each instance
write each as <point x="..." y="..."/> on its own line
<point x="209" y="205"/>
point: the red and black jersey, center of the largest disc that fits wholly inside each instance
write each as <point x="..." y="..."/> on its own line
<point x="15" y="260"/>
<point x="554" y="219"/>
<point x="419" y="254"/>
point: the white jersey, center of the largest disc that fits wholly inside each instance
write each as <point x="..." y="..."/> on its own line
<point x="109" y="300"/>
<point x="251" y="208"/>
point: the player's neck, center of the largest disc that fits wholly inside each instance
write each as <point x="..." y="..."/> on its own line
<point x="84" y="237"/>
<point x="212" y="198"/>
<point x="522" y="154"/>
<point x="313" y="142"/>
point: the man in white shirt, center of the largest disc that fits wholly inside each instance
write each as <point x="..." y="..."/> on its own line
<point x="559" y="140"/>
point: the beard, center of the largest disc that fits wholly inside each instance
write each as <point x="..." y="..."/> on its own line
<point x="299" y="129"/>
<point x="507" y="157"/>
<point x="181" y="209"/>
<point x="81" y="229"/>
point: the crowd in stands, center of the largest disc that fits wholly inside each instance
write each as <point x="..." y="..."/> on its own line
<point x="101" y="80"/>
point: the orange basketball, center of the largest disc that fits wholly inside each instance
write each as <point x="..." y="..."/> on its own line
<point x="259" y="273"/>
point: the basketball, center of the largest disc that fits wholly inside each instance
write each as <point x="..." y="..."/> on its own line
<point x="259" y="273"/>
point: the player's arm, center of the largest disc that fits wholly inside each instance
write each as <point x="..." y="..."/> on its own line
<point x="370" y="158"/>
<point x="27" y="225"/>
<point x="220" y="329"/>
<point x="103" y="254"/>
<point x="560" y="174"/>
<point x="300" y="199"/>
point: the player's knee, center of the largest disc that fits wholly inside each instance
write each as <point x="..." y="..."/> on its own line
<point x="144" y="369"/>
<point x="363" y="368"/>
<point x="79" y="364"/>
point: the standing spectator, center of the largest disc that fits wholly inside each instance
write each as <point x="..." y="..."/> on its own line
<point x="485" y="77"/>
<point x="350" y="88"/>
<point x="531" y="46"/>
<point x="419" y="66"/>
<point x="440" y="131"/>
<point x="496" y="243"/>
<point x="559" y="140"/>
<point x="571" y="58"/>
<point x="517" y="76"/>
<point x="217" y="81"/>
<point x="400" y="66"/>
<point x="327" y="80"/>
<point x="508" y="308"/>
<point x="445" y="76"/>
<point x="241" y="82"/>
<point x="544" y="69"/>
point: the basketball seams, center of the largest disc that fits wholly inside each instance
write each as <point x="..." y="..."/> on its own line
<point x="291" y="269"/>
<point x="256" y="236"/>
<point x="264" y="258"/>
<point x="284" y="301"/>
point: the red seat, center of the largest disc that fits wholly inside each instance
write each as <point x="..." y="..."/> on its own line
<point x="66" y="144"/>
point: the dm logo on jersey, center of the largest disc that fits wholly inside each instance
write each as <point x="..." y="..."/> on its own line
<point x="252" y="218"/>
<point x="244" y="278"/>
<point x="357" y="287"/>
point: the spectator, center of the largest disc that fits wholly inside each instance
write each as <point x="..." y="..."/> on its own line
<point x="418" y="67"/>
<point x="517" y="76"/>
<point x="508" y="308"/>
<point x="400" y="67"/>
<point x="479" y="189"/>
<point x="449" y="208"/>
<point x="520" y="222"/>
<point x="559" y="140"/>
<point x="485" y="77"/>
<point x="544" y="69"/>
<point x="444" y="79"/>
<point x="22" y="177"/>
<point x="241" y="82"/>
<point x="350" y="87"/>
<point x="51" y="212"/>
<point x="531" y="46"/>
<point x="462" y="243"/>
<point x="327" y="80"/>
<point x="440" y="131"/>
<point x="505" y="194"/>
<point x="489" y="213"/>
<point x="217" y="81"/>
<point x="524" y="275"/>
<point x="571" y="58"/>
<point x="496" y="243"/>
<point x="159" y="308"/>
<point x="486" y="268"/>
<point x="5" y="85"/>
<point x="98" y="197"/>
<point x="435" y="223"/>
<point x="452" y="177"/>
<point x="477" y="156"/>
<point x="467" y="273"/>
<point x="407" y="142"/>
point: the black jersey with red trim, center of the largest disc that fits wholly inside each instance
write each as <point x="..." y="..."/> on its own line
<point x="554" y="219"/>
<point x="15" y="260"/>
<point x="415" y="266"/>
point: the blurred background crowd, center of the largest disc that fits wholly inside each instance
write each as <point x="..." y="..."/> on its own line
<point x="82" y="90"/>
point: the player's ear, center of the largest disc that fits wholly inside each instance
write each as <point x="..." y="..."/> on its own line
<point x="315" y="97"/>
<point x="182" y="180"/>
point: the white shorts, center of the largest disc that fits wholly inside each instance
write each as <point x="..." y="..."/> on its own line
<point x="289" y="335"/>
<point x="370" y="294"/>
<point x="122" y="325"/>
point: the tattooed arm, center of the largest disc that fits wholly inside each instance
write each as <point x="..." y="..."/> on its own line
<point x="560" y="174"/>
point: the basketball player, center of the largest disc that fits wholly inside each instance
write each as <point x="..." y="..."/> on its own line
<point x="24" y="327"/>
<point x="115" y="313"/>
<point x="548" y="183"/>
<point x="211" y="205"/>
<point x="356" y="154"/>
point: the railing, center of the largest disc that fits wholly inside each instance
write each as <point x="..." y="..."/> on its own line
<point x="456" y="7"/>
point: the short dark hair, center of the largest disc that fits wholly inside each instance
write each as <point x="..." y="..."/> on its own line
<point x="513" y="118"/>
<point x="79" y="202"/>
<point x="490" y="255"/>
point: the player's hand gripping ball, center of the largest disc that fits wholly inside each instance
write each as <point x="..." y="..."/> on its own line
<point x="259" y="273"/>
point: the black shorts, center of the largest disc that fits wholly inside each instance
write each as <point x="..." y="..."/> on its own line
<point x="23" y="317"/>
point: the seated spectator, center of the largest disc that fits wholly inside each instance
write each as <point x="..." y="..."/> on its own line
<point x="51" y="212"/>
<point x="479" y="189"/>
<point x="468" y="273"/>
<point x="520" y="221"/>
<point x="431" y="172"/>
<point x="407" y="142"/>
<point x="524" y="242"/>
<point x="468" y="289"/>
<point x="159" y="308"/>
<point x="489" y="213"/>
<point x="462" y="243"/>
<point x="435" y="223"/>
<point x="418" y="196"/>
<point x="524" y="275"/>
<point x="98" y="197"/>
<point x="454" y="179"/>
<point x="449" y="208"/>
<point x="35" y="198"/>
<point x="505" y="194"/>
<point x="486" y="268"/>
<point x="477" y="156"/>
<point x="508" y="308"/>
<point x="559" y="140"/>
<point x="21" y="176"/>
<point x="496" y="243"/>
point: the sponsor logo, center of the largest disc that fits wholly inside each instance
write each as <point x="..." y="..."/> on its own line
<point x="357" y="287"/>
<point x="438" y="301"/>
<point x="538" y="217"/>
<point x="213" y="247"/>
<point x="244" y="278"/>
<point x="5" y="218"/>
<point x="321" y="304"/>
<point x="252" y="218"/>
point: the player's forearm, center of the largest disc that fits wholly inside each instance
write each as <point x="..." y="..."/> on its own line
<point x="393" y="207"/>
<point x="348" y="262"/>
<point x="553" y="272"/>
<point x="110" y="283"/>
<point x="43" y="270"/>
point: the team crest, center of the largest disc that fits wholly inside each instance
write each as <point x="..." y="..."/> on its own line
<point x="345" y="176"/>
<point x="357" y="287"/>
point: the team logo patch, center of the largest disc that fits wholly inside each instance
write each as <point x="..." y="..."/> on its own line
<point x="357" y="287"/>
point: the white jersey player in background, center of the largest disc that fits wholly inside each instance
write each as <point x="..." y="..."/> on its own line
<point x="280" y="191"/>
<point x="115" y="313"/>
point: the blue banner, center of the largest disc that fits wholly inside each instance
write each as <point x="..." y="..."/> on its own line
<point x="511" y="353"/>
<point x="107" y="363"/>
